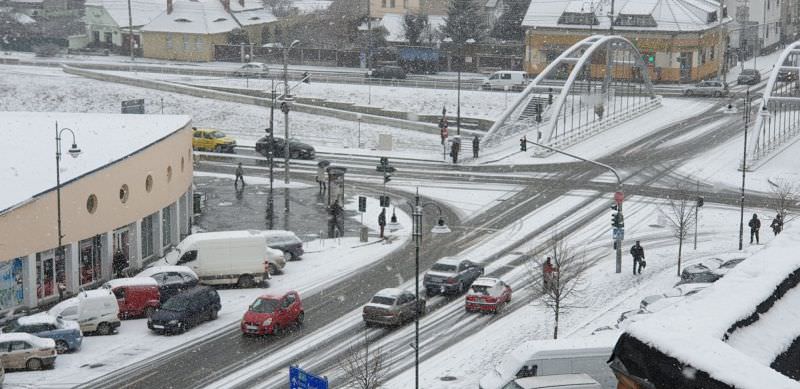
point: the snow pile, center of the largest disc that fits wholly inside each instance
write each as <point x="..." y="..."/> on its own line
<point x="694" y="333"/>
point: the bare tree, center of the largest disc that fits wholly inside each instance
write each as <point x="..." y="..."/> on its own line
<point x="785" y="193"/>
<point x="563" y="285"/>
<point x="363" y="369"/>
<point x="680" y="213"/>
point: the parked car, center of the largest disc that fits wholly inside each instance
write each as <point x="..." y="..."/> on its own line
<point x="25" y="351"/>
<point x="297" y="150"/>
<point x="223" y="257"/>
<point x="212" y="140"/>
<point x="96" y="311"/>
<point x="287" y="242"/>
<point x="555" y="381"/>
<point x="749" y="77"/>
<point x="136" y="296"/>
<point x="503" y="78"/>
<point x="171" y="280"/>
<point x="451" y="275"/>
<point x="786" y="76"/>
<point x="66" y="333"/>
<point x="392" y="307"/>
<point x="275" y="260"/>
<point x="272" y="313"/>
<point x="487" y="295"/>
<point x="15" y="313"/>
<point x="388" y="72"/>
<point x="698" y="273"/>
<point x="186" y="310"/>
<point x="252" y="69"/>
<point x="707" y="88"/>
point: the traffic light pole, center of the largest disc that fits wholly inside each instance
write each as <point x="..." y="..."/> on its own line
<point x="618" y="238"/>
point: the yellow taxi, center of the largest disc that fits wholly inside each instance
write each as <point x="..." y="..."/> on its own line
<point x="206" y="139"/>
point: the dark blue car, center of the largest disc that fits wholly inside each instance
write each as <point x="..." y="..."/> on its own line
<point x="66" y="333"/>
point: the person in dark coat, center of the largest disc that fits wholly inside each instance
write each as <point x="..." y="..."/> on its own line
<point x="382" y="221"/>
<point x="321" y="178"/>
<point x="337" y="219"/>
<point x="637" y="251"/>
<point x="476" y="146"/>
<point x="755" y="225"/>
<point x="454" y="149"/>
<point x="239" y="175"/>
<point x="777" y="224"/>
<point x="118" y="263"/>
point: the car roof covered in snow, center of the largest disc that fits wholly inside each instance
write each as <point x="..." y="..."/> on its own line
<point x="390" y="292"/>
<point x="277" y="294"/>
<point x="24" y="337"/>
<point x="39" y="318"/>
<point x="600" y="344"/>
<point x="131" y="281"/>
<point x="150" y="271"/>
<point x="486" y="281"/>
<point x="449" y="261"/>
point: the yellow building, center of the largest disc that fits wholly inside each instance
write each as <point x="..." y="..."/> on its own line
<point x="129" y="193"/>
<point x="680" y="40"/>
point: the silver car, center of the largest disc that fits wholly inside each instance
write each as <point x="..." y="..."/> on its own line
<point x="252" y="69"/>
<point x="707" y="88"/>
<point x="392" y="307"/>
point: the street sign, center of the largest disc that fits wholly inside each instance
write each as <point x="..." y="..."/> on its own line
<point x="299" y="379"/>
<point x="133" y="106"/>
<point x="618" y="234"/>
<point x="618" y="197"/>
<point x="362" y="204"/>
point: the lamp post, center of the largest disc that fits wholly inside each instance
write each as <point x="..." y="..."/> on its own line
<point x="271" y="159"/>
<point x="458" y="83"/>
<point x="287" y="149"/>
<point x="358" y="116"/>
<point x="439" y="228"/>
<point x="744" y="165"/>
<point x="74" y="151"/>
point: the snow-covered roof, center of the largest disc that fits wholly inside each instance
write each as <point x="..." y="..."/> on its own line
<point x="309" y="6"/>
<point x="737" y="327"/>
<point x="39" y="318"/>
<point x="393" y="23"/>
<point x="32" y="339"/>
<point x="219" y="235"/>
<point x="643" y="15"/>
<point x="28" y="168"/>
<point x="254" y="16"/>
<point x="93" y="293"/>
<point x="167" y="268"/>
<point x="194" y="17"/>
<point x="455" y="261"/>
<point x="142" y="11"/>
<point x="130" y="281"/>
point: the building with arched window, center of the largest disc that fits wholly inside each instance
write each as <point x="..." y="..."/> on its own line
<point x="126" y="198"/>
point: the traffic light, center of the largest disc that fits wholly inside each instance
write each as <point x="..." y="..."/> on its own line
<point x="384" y="199"/>
<point x="523" y="144"/>
<point x="386" y="177"/>
<point x="550" y="96"/>
<point x="306" y="78"/>
<point x="384" y="161"/>
<point x="362" y="204"/>
<point x="616" y="218"/>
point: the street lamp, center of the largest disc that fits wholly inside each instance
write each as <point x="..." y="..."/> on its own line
<point x="439" y="228"/>
<point x="74" y="151"/>
<point x="287" y="148"/>
<point x="744" y="165"/>
<point x="458" y="103"/>
<point x="358" y="116"/>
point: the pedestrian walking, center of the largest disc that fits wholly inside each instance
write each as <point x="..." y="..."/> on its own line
<point x="336" y="219"/>
<point x="118" y="263"/>
<point x="547" y="272"/>
<point x="523" y="143"/>
<point x="382" y="220"/>
<point x="321" y="178"/>
<point x="637" y="251"/>
<point x="777" y="224"/>
<point x="454" y="149"/>
<point x="755" y="225"/>
<point x="476" y="146"/>
<point x="239" y="176"/>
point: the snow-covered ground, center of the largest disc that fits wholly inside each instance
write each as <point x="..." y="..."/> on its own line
<point x="134" y="342"/>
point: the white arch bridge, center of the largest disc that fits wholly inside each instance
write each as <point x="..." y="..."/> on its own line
<point x="594" y="85"/>
<point x="778" y="121"/>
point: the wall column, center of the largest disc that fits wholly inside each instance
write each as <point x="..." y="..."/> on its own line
<point x="72" y="267"/>
<point x="106" y="255"/>
<point x="135" y="248"/>
<point x="158" y="241"/>
<point x="29" y="281"/>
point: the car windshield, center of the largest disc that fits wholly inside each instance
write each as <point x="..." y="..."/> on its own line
<point x="176" y="304"/>
<point x="11" y="326"/>
<point x="480" y="289"/>
<point x="383" y="300"/>
<point x="444" y="267"/>
<point x="217" y="134"/>
<point x="748" y="71"/>
<point x="265" y="305"/>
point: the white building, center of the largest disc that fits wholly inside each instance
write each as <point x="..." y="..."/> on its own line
<point x="756" y="26"/>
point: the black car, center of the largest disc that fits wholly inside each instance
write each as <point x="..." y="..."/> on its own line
<point x="171" y="279"/>
<point x="389" y="72"/>
<point x="297" y="150"/>
<point x="186" y="310"/>
<point x="749" y="77"/>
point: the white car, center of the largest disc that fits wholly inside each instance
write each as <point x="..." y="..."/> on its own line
<point x="276" y="260"/>
<point x="252" y="69"/>
<point x="95" y="310"/>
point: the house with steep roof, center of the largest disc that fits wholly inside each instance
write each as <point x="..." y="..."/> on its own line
<point x="108" y="23"/>
<point x="680" y="40"/>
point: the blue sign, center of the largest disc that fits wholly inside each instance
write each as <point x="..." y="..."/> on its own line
<point x="618" y="234"/>
<point x="299" y="379"/>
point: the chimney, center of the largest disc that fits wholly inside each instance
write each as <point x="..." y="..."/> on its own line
<point x="169" y="7"/>
<point x="227" y="5"/>
<point x="241" y="2"/>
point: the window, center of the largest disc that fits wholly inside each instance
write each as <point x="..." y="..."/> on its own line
<point x="89" y="260"/>
<point x="169" y="40"/>
<point x="182" y="164"/>
<point x="185" y="42"/>
<point x="198" y="43"/>
<point x="107" y="37"/>
<point x="635" y="20"/>
<point x="147" y="236"/>
<point x="505" y="76"/>
<point x="188" y="257"/>
<point x="148" y="183"/>
<point x="166" y="226"/>
<point x="119" y="293"/>
<point x="391" y="4"/>
<point x="69" y="311"/>
<point x="578" y="18"/>
<point x="527" y="371"/>
<point x="169" y="173"/>
<point x="19" y="345"/>
<point x="405" y="4"/>
<point x="91" y="203"/>
<point x="123" y="193"/>
<point x="383" y="3"/>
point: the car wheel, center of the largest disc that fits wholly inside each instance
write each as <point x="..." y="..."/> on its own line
<point x="272" y="268"/>
<point x="246" y="281"/>
<point x="34" y="364"/>
<point x="214" y="313"/>
<point x="499" y="308"/>
<point x="61" y="346"/>
<point x="430" y="292"/>
<point x="295" y="154"/>
<point x="104" y="329"/>
<point x="149" y="312"/>
<point x="287" y="256"/>
<point x="717" y="94"/>
<point x="689" y="93"/>
<point x="300" y="318"/>
<point x="218" y="149"/>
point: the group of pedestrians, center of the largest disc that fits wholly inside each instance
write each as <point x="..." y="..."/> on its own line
<point x="455" y="148"/>
<point x="755" y="226"/>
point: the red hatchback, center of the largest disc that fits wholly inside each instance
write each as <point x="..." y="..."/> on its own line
<point x="272" y="313"/>
<point x="136" y="296"/>
<point x="488" y="295"/>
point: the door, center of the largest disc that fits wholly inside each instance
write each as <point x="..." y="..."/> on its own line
<point x="16" y="355"/>
<point x="6" y="357"/>
<point x="685" y="62"/>
<point x="283" y="316"/>
<point x="122" y="302"/>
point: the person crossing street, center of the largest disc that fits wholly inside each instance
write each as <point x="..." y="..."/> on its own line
<point x="382" y="221"/>
<point x="637" y="251"/>
<point x="239" y="176"/>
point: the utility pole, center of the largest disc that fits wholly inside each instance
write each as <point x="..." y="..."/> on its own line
<point x="286" y="149"/>
<point x="369" y="41"/>
<point x="722" y="44"/>
<point x="611" y="26"/>
<point x="130" y="29"/>
<point x="271" y="159"/>
<point x="744" y="165"/>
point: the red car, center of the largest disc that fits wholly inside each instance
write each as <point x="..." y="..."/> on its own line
<point x="272" y="313"/>
<point x="488" y="295"/>
<point x="136" y="296"/>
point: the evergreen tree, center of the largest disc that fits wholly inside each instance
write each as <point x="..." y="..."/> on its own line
<point x="415" y="26"/>
<point x="509" y="25"/>
<point x="465" y="20"/>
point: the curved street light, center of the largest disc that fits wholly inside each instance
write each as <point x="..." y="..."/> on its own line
<point x="74" y="151"/>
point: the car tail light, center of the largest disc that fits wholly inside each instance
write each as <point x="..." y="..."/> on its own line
<point x="470" y="298"/>
<point x="451" y="280"/>
<point x="490" y="299"/>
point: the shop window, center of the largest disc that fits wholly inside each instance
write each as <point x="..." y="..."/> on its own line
<point x="169" y="173"/>
<point x="11" y="290"/>
<point x="47" y="273"/>
<point x="90" y="252"/>
<point x="148" y="183"/>
<point x="123" y="193"/>
<point x="166" y="227"/>
<point x="91" y="203"/>
<point x="147" y="236"/>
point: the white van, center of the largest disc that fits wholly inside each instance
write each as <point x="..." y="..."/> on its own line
<point x="94" y="310"/>
<point x="223" y="258"/>
<point x="559" y="381"/>
<point x="498" y="80"/>
<point x="587" y="355"/>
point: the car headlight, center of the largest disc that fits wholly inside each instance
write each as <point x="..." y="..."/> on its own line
<point x="267" y="322"/>
<point x="173" y="322"/>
